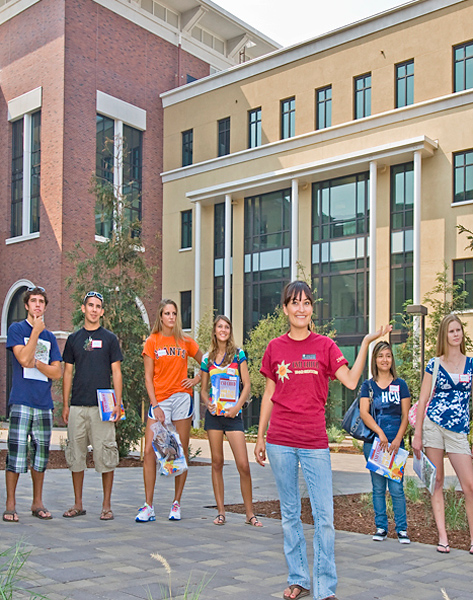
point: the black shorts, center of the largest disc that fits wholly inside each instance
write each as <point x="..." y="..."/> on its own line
<point x="223" y="423"/>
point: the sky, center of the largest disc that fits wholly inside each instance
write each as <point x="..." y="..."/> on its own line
<point x="291" y="21"/>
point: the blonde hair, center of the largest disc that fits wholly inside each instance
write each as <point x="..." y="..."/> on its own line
<point x="442" y="336"/>
<point x="231" y="348"/>
<point x="158" y="324"/>
<point x="380" y="346"/>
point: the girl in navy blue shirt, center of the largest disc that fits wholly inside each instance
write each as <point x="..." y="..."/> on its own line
<point x="391" y="402"/>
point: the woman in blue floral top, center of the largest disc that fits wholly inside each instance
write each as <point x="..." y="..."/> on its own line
<point x="446" y="424"/>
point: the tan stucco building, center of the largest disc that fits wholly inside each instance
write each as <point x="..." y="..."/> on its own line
<point x="349" y="154"/>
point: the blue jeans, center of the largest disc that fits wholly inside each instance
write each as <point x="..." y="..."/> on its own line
<point x="396" y="489"/>
<point x="317" y="473"/>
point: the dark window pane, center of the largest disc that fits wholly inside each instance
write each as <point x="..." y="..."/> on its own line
<point x="463" y="176"/>
<point x="104" y="168"/>
<point x="186" y="229"/>
<point x="224" y="137"/>
<point x="186" y="310"/>
<point x="187" y="147"/>
<point x="288" y="118"/>
<point x="17" y="179"/>
<point x="254" y="128"/>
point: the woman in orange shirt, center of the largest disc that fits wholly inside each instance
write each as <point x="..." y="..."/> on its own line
<point x="169" y="389"/>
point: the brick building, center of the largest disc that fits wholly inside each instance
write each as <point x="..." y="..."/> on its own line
<point x="74" y="73"/>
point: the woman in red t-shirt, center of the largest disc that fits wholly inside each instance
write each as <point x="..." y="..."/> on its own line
<point x="297" y="367"/>
<point x="165" y="359"/>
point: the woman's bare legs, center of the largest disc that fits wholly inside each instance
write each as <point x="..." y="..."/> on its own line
<point x="149" y="464"/>
<point x="238" y="446"/>
<point x="183" y="428"/>
<point x="216" y="450"/>
<point x="464" y="470"/>
<point x="438" y="502"/>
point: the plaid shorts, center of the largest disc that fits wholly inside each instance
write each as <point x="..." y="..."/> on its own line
<point x="35" y="423"/>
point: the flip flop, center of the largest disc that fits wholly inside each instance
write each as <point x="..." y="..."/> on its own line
<point x="446" y="548"/>
<point x="11" y="513"/>
<point x="220" y="520"/>
<point x="44" y="517"/>
<point x="106" y="515"/>
<point x="74" y="512"/>
<point x="302" y="592"/>
<point x="253" y="521"/>
<point x="471" y="549"/>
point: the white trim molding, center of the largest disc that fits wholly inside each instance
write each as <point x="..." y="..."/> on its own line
<point x="6" y="305"/>
<point x="24" y="104"/>
<point x="117" y="109"/>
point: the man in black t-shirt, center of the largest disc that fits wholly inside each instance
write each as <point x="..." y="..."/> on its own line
<point x="95" y="353"/>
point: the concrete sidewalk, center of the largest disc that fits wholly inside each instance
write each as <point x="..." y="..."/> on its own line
<point x="86" y="559"/>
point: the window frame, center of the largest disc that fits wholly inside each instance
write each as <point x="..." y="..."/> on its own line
<point x="187" y="139"/>
<point x="467" y="63"/>
<point x="186" y="305"/>
<point x="223" y="136"/>
<point x="288" y="118"/>
<point x="466" y="276"/>
<point x="364" y="91"/>
<point x="254" y="127"/>
<point x="464" y="168"/>
<point x="327" y="122"/>
<point x="407" y="78"/>
<point x="186" y="229"/>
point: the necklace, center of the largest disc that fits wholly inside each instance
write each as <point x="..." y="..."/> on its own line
<point x="217" y="364"/>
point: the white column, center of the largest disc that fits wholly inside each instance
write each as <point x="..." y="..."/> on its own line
<point x="26" y="224"/>
<point x="197" y="242"/>
<point x="228" y="256"/>
<point x="372" y="255"/>
<point x="197" y="270"/>
<point x="294" y="227"/>
<point x="416" y="249"/>
<point x="372" y="248"/>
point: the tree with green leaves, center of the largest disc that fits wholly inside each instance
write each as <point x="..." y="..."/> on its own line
<point x="117" y="269"/>
<point x="444" y="298"/>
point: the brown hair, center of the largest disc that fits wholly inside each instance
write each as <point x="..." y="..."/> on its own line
<point x="158" y="324"/>
<point x="35" y="291"/>
<point x="442" y="335"/>
<point x="376" y="350"/>
<point x="294" y="291"/>
<point x="230" y="349"/>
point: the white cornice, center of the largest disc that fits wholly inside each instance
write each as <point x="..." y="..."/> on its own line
<point x="327" y="41"/>
<point x="339" y="165"/>
<point x="13" y="8"/>
<point x="358" y="127"/>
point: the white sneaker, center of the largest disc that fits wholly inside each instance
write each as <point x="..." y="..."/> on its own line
<point x="175" y="514"/>
<point x="380" y="535"/>
<point x="145" y="514"/>
<point x="403" y="537"/>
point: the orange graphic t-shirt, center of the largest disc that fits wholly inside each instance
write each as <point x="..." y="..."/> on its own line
<point x="170" y="363"/>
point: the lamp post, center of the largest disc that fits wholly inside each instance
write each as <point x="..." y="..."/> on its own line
<point x="422" y="311"/>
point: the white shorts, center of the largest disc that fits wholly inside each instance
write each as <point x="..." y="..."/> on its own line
<point x="434" y="436"/>
<point x="177" y="407"/>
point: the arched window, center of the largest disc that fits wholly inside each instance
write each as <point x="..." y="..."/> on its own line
<point x="16" y="312"/>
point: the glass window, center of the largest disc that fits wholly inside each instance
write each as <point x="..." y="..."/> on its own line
<point x="26" y="174"/>
<point x="16" y="313"/>
<point x="402" y="239"/>
<point x="224" y="136"/>
<point x="463" y="270"/>
<point x="463" y="176"/>
<point x="463" y="67"/>
<point x="186" y="310"/>
<point x="219" y="253"/>
<point x="267" y="253"/>
<point x="125" y="153"/>
<point x="405" y="84"/>
<point x="254" y="128"/>
<point x="186" y="229"/>
<point x="324" y="107"/>
<point x="288" y="118"/>
<point x="340" y="225"/>
<point x="363" y="96"/>
<point x="187" y="147"/>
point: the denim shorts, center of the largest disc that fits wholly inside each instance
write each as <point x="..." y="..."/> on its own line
<point x="223" y="423"/>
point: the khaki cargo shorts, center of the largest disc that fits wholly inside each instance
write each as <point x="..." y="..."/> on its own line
<point x="86" y="428"/>
<point x="434" y="436"/>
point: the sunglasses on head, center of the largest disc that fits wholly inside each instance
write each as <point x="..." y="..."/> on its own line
<point x="93" y="295"/>
<point x="36" y="287"/>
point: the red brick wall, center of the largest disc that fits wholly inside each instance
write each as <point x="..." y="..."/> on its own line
<point x="72" y="48"/>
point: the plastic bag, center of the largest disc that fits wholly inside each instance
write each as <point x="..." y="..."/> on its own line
<point x="170" y="458"/>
